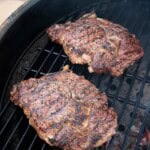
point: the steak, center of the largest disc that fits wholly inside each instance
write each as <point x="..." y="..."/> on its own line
<point x="66" y="110"/>
<point x="103" y="45"/>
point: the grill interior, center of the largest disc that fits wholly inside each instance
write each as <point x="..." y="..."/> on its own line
<point x="128" y="94"/>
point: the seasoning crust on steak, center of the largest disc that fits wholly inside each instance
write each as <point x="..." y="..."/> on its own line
<point x="103" y="45"/>
<point x="66" y="110"/>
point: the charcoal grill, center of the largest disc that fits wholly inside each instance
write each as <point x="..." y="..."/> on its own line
<point x="26" y="51"/>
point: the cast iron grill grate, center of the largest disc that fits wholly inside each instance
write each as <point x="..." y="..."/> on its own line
<point x="128" y="94"/>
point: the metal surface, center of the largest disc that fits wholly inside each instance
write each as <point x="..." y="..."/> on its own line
<point x="16" y="14"/>
<point x="128" y="94"/>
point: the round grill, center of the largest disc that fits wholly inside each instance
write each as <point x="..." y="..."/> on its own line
<point x="129" y="94"/>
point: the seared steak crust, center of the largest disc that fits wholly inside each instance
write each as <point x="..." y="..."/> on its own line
<point x="66" y="110"/>
<point x="101" y="44"/>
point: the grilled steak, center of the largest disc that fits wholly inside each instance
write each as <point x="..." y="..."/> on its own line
<point x="101" y="44"/>
<point x="66" y="110"/>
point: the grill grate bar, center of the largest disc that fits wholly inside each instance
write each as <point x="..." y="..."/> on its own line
<point x="5" y="107"/>
<point x="142" y="128"/>
<point x="54" y="62"/>
<point x="11" y="135"/>
<point x="22" y="137"/>
<point x="131" y="102"/>
<point x="7" y="122"/>
<point x="30" y="147"/>
<point x="41" y="50"/>
<point x="128" y="94"/>
<point x="134" y="111"/>
<point x="135" y="107"/>
<point x="43" y="147"/>
<point x="118" y="90"/>
<point x="55" y="53"/>
<point x="138" y="77"/>
<point x="46" y="58"/>
<point x="35" y="71"/>
<point x="115" y="98"/>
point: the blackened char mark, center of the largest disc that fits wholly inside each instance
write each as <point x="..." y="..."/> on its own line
<point x="76" y="51"/>
<point x="79" y="119"/>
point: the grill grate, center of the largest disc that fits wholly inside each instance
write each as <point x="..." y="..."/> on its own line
<point x="126" y="93"/>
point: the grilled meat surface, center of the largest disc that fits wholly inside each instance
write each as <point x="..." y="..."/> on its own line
<point x="103" y="45"/>
<point x="66" y="110"/>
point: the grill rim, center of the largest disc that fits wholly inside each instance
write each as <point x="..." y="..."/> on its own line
<point x="7" y="24"/>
